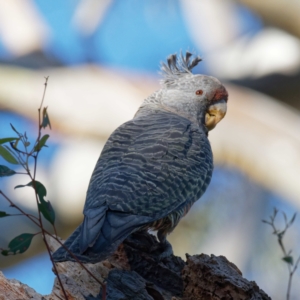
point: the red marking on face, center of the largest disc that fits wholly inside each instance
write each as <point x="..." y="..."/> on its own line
<point x="220" y="94"/>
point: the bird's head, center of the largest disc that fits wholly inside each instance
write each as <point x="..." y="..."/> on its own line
<point x="200" y="98"/>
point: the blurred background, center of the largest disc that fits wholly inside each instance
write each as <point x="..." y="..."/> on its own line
<point x="103" y="60"/>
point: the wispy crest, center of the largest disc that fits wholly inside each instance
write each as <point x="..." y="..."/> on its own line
<point x="178" y="66"/>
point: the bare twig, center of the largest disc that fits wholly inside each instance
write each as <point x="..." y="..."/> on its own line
<point x="287" y="255"/>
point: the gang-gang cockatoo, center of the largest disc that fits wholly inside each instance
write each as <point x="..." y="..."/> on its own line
<point x="153" y="167"/>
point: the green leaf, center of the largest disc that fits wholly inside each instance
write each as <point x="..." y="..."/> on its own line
<point x="39" y="187"/>
<point x="46" y="120"/>
<point x="19" y="186"/>
<point x="47" y="210"/>
<point x="8" y="156"/>
<point x="289" y="259"/>
<point x="45" y="207"/>
<point x="5" y="140"/>
<point x="3" y="214"/>
<point x="15" y="144"/>
<point x="5" y="171"/>
<point x="14" y="129"/>
<point x="41" y="143"/>
<point x="19" y="244"/>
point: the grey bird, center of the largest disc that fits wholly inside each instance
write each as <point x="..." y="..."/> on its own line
<point x="153" y="167"/>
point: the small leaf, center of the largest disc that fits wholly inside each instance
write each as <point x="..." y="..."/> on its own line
<point x="5" y="171"/>
<point x="293" y="219"/>
<point x="47" y="210"/>
<point x="39" y="187"/>
<point x="41" y="143"/>
<point x="288" y="259"/>
<point x="19" y="244"/>
<point x="15" y="144"/>
<point x="8" y="156"/>
<point x="5" y="140"/>
<point x="20" y="185"/>
<point x="44" y="206"/>
<point x="3" y="214"/>
<point x="46" y="120"/>
<point x="14" y="129"/>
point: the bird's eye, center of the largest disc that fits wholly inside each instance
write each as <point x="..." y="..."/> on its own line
<point x="199" y="92"/>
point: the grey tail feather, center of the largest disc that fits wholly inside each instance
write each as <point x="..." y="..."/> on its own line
<point x="116" y="228"/>
<point x="177" y="67"/>
<point x="91" y="227"/>
<point x="72" y="243"/>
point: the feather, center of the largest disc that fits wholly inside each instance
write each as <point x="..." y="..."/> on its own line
<point x="178" y="67"/>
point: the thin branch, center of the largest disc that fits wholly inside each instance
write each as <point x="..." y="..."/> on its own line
<point x="38" y="221"/>
<point x="14" y="215"/>
<point x="45" y="88"/>
<point x="280" y="234"/>
<point x="20" y="210"/>
<point x="54" y="265"/>
<point x="54" y="237"/>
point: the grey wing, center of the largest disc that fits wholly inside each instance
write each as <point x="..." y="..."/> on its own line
<point x="149" y="167"/>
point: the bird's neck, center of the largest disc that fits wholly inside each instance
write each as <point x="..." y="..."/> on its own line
<point x="186" y="109"/>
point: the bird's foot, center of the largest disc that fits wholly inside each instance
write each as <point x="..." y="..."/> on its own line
<point x="148" y="243"/>
<point x="162" y="250"/>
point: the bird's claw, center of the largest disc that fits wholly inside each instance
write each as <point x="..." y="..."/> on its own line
<point x="162" y="250"/>
<point x="167" y="250"/>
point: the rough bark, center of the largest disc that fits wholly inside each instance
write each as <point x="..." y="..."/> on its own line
<point x="135" y="272"/>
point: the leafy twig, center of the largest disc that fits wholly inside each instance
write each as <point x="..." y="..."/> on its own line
<point x="54" y="237"/>
<point x="16" y="156"/>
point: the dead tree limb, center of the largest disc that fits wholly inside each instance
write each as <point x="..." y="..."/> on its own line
<point x="135" y="272"/>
